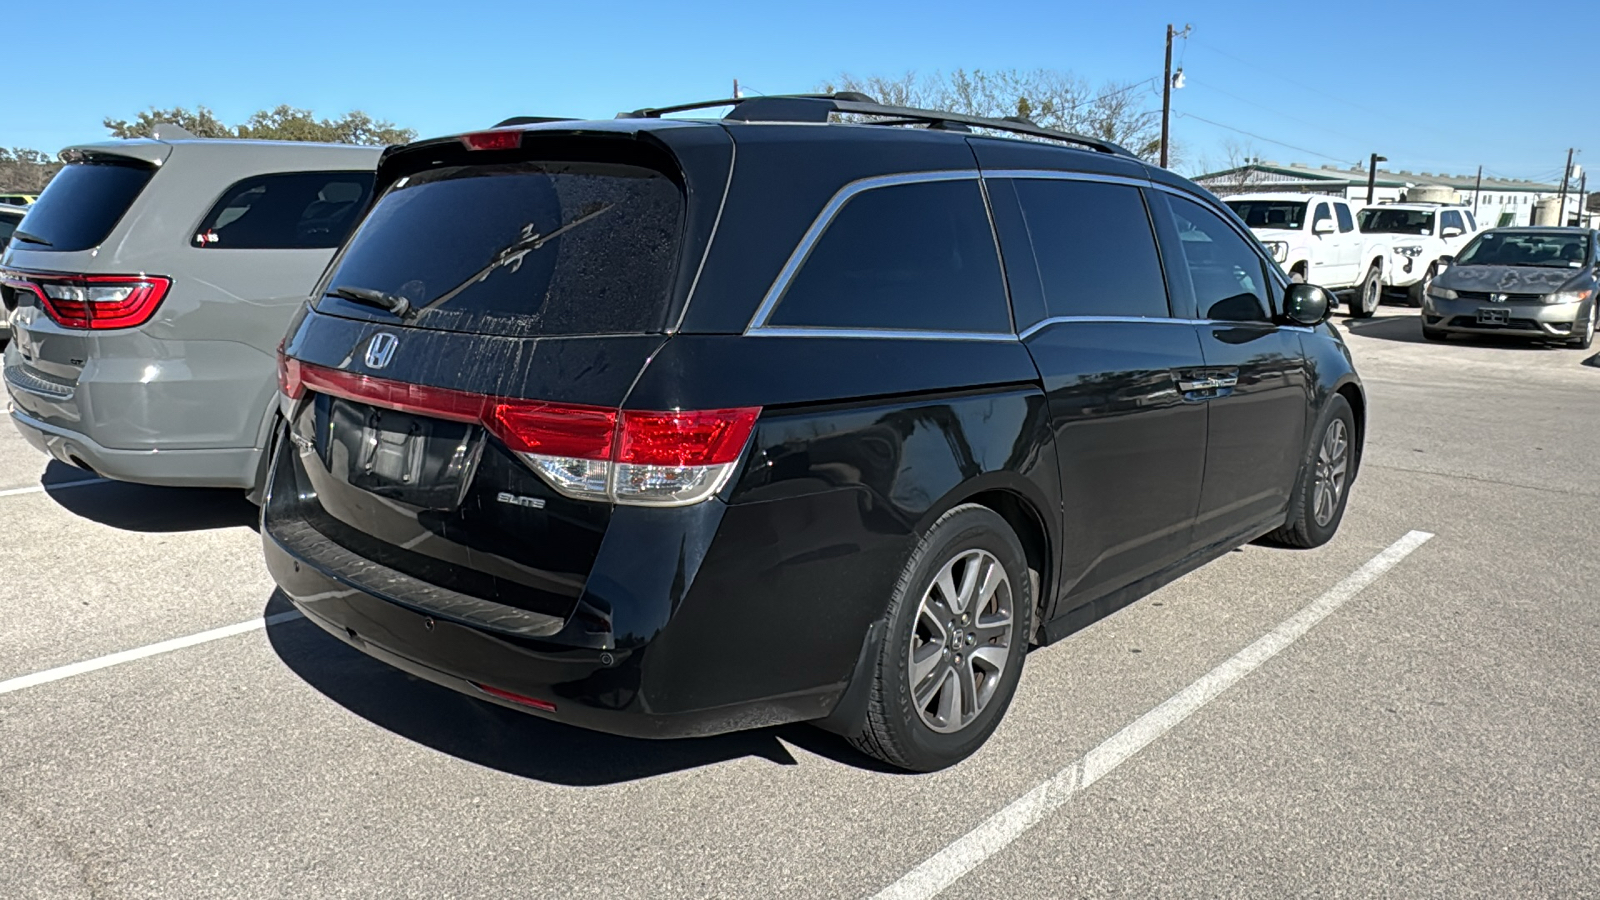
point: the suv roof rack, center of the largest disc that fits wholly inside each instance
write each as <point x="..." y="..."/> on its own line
<point x="816" y="108"/>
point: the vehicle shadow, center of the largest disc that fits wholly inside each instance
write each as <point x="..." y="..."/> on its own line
<point x="1408" y="330"/>
<point x="517" y="743"/>
<point x="139" y="507"/>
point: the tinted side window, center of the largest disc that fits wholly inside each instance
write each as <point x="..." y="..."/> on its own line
<point x="298" y="210"/>
<point x="81" y="205"/>
<point x="1229" y="281"/>
<point x="1472" y="221"/>
<point x="8" y="224"/>
<point x="1346" y="223"/>
<point x="1451" y="219"/>
<point x="1095" y="250"/>
<point x="917" y="257"/>
<point x="1322" y="215"/>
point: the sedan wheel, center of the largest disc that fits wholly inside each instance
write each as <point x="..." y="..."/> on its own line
<point x="1585" y="338"/>
<point x="1333" y="465"/>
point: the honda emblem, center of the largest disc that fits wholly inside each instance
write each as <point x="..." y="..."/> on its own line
<point x="381" y="349"/>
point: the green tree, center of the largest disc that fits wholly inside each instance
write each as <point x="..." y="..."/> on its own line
<point x="1121" y="112"/>
<point x="285" y="123"/>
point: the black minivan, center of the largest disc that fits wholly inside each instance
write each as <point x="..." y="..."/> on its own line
<point x="669" y="427"/>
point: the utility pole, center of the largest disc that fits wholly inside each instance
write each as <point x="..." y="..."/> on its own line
<point x="1372" y="177"/>
<point x="736" y="89"/>
<point x="1477" y="190"/>
<point x="1166" y="90"/>
<point x="1566" y="176"/>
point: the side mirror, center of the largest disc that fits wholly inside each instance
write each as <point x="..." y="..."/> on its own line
<point x="1306" y="304"/>
<point x="1323" y="226"/>
<point x="1451" y="232"/>
<point x="1448" y="259"/>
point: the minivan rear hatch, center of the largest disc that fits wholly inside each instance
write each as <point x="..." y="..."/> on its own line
<point x="488" y="294"/>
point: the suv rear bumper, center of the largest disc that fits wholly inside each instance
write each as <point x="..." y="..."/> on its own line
<point x="227" y="467"/>
<point x="611" y="691"/>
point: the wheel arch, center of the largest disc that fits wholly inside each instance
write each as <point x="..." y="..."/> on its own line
<point x="1353" y="394"/>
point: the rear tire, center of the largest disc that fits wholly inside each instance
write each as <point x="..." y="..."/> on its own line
<point x="944" y="675"/>
<point x="1323" y="489"/>
<point x="1420" y="289"/>
<point x="1585" y="338"/>
<point x="1369" y="294"/>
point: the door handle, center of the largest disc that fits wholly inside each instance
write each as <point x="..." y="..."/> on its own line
<point x="1207" y="383"/>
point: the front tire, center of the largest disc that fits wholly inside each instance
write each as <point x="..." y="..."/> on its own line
<point x="1585" y="338"/>
<point x="958" y="628"/>
<point x="1420" y="289"/>
<point x="1369" y="293"/>
<point x="1318" y="504"/>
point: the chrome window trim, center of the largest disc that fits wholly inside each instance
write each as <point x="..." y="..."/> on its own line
<point x="1155" y="320"/>
<point x="1055" y="175"/>
<point x="825" y="218"/>
<point x="806" y="331"/>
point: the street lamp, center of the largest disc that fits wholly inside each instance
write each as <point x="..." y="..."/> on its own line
<point x="1372" y="177"/>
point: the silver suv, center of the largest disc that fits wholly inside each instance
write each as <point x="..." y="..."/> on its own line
<point x="148" y="289"/>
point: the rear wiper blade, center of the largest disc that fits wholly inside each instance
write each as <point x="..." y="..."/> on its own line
<point x="400" y="306"/>
<point x="27" y="238"/>
<point x="512" y="255"/>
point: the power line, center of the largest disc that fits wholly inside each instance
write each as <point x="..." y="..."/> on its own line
<point x="1212" y="87"/>
<point x="1189" y="115"/>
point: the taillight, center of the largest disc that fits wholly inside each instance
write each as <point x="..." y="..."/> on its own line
<point x="672" y="458"/>
<point x="95" y="302"/>
<point x="493" y="140"/>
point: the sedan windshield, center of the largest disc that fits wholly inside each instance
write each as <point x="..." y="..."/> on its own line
<point x="1526" y="248"/>
<point x="1289" y="215"/>
<point x="1378" y="220"/>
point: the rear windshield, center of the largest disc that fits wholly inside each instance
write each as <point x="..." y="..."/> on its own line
<point x="536" y="248"/>
<point x="1286" y="214"/>
<point x="83" y="203"/>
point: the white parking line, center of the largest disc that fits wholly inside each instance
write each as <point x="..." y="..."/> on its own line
<point x="40" y="488"/>
<point x="999" y="830"/>
<point x="90" y="665"/>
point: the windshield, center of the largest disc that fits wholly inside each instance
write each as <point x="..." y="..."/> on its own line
<point x="1378" y="220"/>
<point x="525" y="249"/>
<point x="1512" y="248"/>
<point x="1289" y="215"/>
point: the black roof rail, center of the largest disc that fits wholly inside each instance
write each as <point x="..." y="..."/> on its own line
<point x="818" y="107"/>
<point x="532" y="120"/>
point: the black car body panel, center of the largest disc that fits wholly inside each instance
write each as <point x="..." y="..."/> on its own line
<point x="1122" y="450"/>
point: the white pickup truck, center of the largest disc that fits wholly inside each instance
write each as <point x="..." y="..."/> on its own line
<point x="1315" y="238"/>
<point x="1417" y="240"/>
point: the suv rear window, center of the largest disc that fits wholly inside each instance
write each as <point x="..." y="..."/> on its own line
<point x="528" y="249"/>
<point x="84" y="202"/>
<point x="296" y="210"/>
<point x="917" y="257"/>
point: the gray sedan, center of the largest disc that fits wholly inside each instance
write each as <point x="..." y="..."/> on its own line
<point x="1531" y="282"/>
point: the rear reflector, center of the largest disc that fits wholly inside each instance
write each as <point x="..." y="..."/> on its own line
<point x="545" y="705"/>
<point x="671" y="458"/>
<point x="493" y="140"/>
<point x="95" y="302"/>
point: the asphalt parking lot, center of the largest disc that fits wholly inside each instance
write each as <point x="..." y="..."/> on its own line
<point x="1433" y="733"/>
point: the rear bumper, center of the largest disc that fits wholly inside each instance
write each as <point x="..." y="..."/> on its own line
<point x="227" y="468"/>
<point x="614" y="691"/>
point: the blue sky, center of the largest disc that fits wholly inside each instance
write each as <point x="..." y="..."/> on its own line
<point x="1430" y="85"/>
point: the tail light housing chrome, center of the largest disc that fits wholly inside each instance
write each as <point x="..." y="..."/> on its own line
<point x="94" y="302"/>
<point x="634" y="457"/>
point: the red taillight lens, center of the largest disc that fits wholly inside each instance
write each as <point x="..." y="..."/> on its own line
<point x="701" y="438"/>
<point x="555" y="429"/>
<point x="493" y="140"/>
<point x="586" y="452"/>
<point x="96" y="302"/>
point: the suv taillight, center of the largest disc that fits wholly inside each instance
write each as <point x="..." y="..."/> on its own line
<point x="646" y="458"/>
<point x="95" y="302"/>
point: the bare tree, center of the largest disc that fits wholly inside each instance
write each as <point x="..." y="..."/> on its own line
<point x="1238" y="174"/>
<point x="1116" y="111"/>
<point x="25" y="171"/>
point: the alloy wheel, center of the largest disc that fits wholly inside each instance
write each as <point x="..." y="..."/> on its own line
<point x="1369" y="295"/>
<point x="1333" y="465"/>
<point x="961" y="641"/>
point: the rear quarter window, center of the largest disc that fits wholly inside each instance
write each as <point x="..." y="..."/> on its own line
<point x="84" y="201"/>
<point x="914" y="257"/>
<point x="298" y="210"/>
<point x="526" y="249"/>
